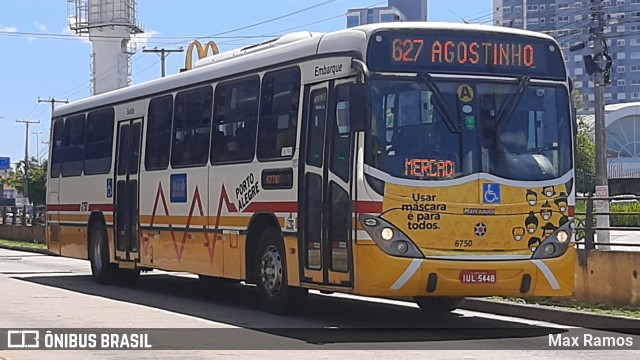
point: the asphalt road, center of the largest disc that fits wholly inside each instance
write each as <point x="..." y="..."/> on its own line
<point x="44" y="292"/>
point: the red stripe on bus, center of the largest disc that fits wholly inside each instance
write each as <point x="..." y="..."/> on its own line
<point x="272" y="206"/>
<point x="66" y="207"/>
<point x="368" y="206"/>
<point x="76" y="207"/>
<point x="101" y="207"/>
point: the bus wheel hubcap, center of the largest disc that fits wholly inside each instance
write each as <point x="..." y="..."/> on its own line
<point x="271" y="270"/>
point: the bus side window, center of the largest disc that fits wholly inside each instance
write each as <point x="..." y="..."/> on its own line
<point x="277" y="126"/>
<point x="73" y="143"/>
<point x="56" y="148"/>
<point x="341" y="141"/>
<point x="234" y="120"/>
<point x="159" y="133"/>
<point x="192" y="127"/>
<point x="98" y="143"/>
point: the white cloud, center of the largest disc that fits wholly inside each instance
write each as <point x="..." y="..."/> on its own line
<point x="39" y="26"/>
<point x="8" y="29"/>
<point x="67" y="31"/>
<point x="142" y="40"/>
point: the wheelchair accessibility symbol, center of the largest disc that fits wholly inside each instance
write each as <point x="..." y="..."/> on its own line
<point x="491" y="193"/>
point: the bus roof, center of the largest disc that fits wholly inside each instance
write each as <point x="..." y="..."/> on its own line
<point x="284" y="49"/>
<point x="371" y="28"/>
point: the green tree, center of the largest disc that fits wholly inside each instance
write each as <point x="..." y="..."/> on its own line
<point x="585" y="158"/>
<point x="37" y="180"/>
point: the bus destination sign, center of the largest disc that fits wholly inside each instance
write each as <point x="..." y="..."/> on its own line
<point x="466" y="52"/>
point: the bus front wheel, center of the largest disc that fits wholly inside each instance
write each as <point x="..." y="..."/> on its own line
<point x="275" y="295"/>
<point x="435" y="305"/>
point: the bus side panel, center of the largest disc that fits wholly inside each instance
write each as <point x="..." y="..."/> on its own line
<point x="74" y="211"/>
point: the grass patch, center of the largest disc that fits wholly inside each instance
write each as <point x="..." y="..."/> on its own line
<point x="571" y="304"/>
<point x="23" y="244"/>
<point x="621" y="219"/>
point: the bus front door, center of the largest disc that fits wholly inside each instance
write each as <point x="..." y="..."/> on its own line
<point x="126" y="190"/>
<point x="324" y="194"/>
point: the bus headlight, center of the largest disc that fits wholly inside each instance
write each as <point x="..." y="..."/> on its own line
<point x="387" y="234"/>
<point x="389" y="238"/>
<point x="548" y="249"/>
<point x="556" y="244"/>
<point x="562" y="236"/>
<point x="400" y="246"/>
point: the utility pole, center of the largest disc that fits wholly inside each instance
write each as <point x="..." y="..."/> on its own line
<point x="37" y="134"/>
<point x="601" y="66"/>
<point x="164" y="54"/>
<point x="524" y="14"/>
<point x="53" y="102"/>
<point x="26" y="156"/>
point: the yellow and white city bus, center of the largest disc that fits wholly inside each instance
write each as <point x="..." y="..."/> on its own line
<point x="403" y="160"/>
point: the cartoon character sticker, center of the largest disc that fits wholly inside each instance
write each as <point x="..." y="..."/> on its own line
<point x="534" y="242"/>
<point x="531" y="223"/>
<point x="561" y="202"/>
<point x="545" y="211"/>
<point x="518" y="233"/>
<point x="532" y="197"/>
<point x="548" y="229"/>
<point x="549" y="191"/>
<point x="563" y="220"/>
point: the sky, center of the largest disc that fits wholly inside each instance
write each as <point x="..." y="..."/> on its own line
<point x="41" y="58"/>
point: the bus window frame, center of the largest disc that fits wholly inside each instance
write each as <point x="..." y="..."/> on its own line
<point x="272" y="116"/>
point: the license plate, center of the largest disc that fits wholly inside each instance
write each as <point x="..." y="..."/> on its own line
<point x="478" y="276"/>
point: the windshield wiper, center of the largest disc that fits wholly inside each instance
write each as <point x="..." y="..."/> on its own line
<point x="511" y="104"/>
<point x="449" y="116"/>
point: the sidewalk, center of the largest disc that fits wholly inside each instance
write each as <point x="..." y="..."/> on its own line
<point x="558" y="315"/>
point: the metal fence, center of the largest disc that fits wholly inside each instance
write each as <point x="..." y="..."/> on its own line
<point x="587" y="225"/>
<point x="22" y="216"/>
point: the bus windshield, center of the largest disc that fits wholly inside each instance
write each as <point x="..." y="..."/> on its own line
<point x="444" y="128"/>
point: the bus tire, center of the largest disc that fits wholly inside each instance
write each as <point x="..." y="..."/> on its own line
<point x="438" y="305"/>
<point x="274" y="293"/>
<point x="103" y="271"/>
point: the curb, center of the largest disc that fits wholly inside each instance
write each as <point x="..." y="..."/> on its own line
<point x="555" y="315"/>
<point x="28" y="249"/>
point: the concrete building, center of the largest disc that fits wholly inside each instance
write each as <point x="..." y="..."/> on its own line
<point x="397" y="10"/>
<point x="569" y="21"/>
<point x="109" y="24"/>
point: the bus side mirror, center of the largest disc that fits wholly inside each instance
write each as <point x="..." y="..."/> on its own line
<point x="358" y="107"/>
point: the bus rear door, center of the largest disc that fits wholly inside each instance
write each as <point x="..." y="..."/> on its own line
<point x="325" y="188"/>
<point x="126" y="190"/>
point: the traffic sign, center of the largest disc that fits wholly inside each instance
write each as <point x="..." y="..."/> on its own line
<point x="602" y="191"/>
<point x="5" y="163"/>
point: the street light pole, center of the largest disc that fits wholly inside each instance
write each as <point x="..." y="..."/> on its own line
<point x="600" y="81"/>
<point x="26" y="156"/>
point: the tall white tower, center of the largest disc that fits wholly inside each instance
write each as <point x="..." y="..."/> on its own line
<point x="109" y="25"/>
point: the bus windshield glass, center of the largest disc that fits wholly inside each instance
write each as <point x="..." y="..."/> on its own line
<point x="442" y="129"/>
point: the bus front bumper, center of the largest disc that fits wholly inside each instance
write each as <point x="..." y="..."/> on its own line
<point x="404" y="277"/>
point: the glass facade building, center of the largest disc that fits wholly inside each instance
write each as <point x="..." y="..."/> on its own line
<point x="568" y="21"/>
<point x="397" y="10"/>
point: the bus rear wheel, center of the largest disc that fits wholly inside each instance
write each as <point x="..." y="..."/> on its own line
<point x="275" y="295"/>
<point x="102" y="270"/>
<point x="438" y="305"/>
